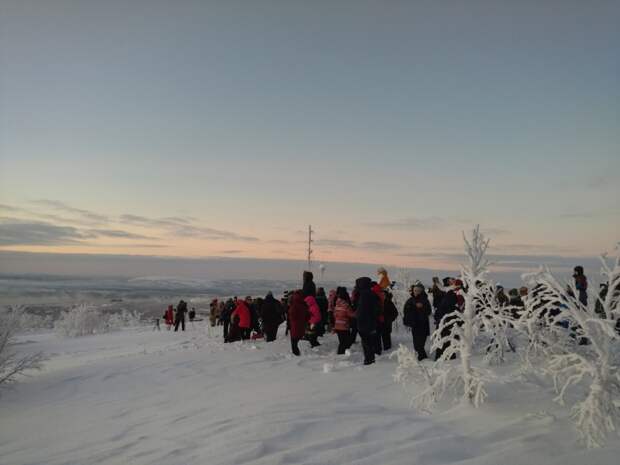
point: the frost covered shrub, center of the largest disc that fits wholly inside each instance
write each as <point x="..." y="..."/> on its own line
<point x="29" y="322"/>
<point x="12" y="364"/>
<point x="124" y="319"/>
<point x="82" y="320"/>
<point x="580" y="344"/>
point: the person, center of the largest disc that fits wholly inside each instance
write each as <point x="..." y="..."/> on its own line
<point x="298" y="316"/>
<point x="353" y="333"/>
<point x="343" y="314"/>
<point x="218" y="312"/>
<point x="309" y="288"/>
<point x="272" y="317"/>
<point x="581" y="284"/>
<point x="330" y="308"/>
<point x="390" y="313"/>
<point x="367" y="312"/>
<point x="285" y="301"/>
<point x="169" y="317"/>
<point x="192" y="314"/>
<point x="322" y="302"/>
<point x="243" y="318"/>
<point x="380" y="317"/>
<point x="253" y="307"/>
<point x="213" y="312"/>
<point x="180" y="316"/>
<point x="515" y="303"/>
<point x="384" y="280"/>
<point x="312" y="331"/>
<point x="226" y="316"/>
<point x="602" y="295"/>
<point x="500" y="295"/>
<point x="416" y="312"/>
<point x="450" y="305"/>
<point x="437" y="291"/>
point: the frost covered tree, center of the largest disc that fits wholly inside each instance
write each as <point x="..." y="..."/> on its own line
<point x="456" y="332"/>
<point x="582" y="347"/>
<point x="495" y="322"/>
<point x="457" y="335"/>
<point x="11" y="363"/>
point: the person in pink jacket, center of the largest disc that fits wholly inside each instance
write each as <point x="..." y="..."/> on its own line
<point x="343" y="313"/>
<point x="315" y="319"/>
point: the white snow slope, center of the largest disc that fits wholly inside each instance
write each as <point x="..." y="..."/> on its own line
<point x="144" y="397"/>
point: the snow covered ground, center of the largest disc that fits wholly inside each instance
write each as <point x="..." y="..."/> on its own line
<point x="144" y="397"/>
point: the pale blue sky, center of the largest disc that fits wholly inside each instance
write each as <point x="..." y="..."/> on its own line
<point x="393" y="122"/>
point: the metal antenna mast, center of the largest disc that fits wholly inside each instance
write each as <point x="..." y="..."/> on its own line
<point x="310" y="231"/>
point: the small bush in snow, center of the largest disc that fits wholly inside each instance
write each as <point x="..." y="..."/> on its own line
<point x="82" y="320"/>
<point x="12" y="364"/>
<point x="124" y="319"/>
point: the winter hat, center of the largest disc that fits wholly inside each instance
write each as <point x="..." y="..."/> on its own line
<point x="446" y="281"/>
<point x="419" y="285"/>
<point x="458" y="283"/>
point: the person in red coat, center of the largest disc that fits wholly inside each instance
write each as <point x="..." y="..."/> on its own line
<point x="243" y="317"/>
<point x="298" y="316"/>
<point x="169" y="317"/>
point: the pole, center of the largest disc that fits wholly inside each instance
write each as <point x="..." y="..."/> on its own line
<point x="310" y="231"/>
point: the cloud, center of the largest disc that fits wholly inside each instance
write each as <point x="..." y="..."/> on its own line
<point x="133" y="245"/>
<point x="151" y="222"/>
<point x="37" y="215"/>
<point x="602" y="181"/>
<point x="182" y="227"/>
<point x="8" y="208"/>
<point x="513" y="262"/>
<point x="577" y="215"/>
<point x="373" y="245"/>
<point x="117" y="233"/>
<point x="544" y="248"/>
<point x="14" y="231"/>
<point x="19" y="232"/>
<point x="61" y="206"/>
<point x="411" y="223"/>
<point x="348" y="244"/>
<point x="495" y="231"/>
<point x="342" y="243"/>
<point x="210" y="233"/>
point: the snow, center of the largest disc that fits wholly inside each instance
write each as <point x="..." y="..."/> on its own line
<point x="146" y="397"/>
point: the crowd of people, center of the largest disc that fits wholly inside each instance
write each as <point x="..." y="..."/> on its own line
<point x="368" y="311"/>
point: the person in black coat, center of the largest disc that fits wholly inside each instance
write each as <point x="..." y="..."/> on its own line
<point x="272" y="317"/>
<point x="180" y="316"/>
<point x="309" y="288"/>
<point x="323" y="303"/>
<point x="390" y="313"/>
<point x="437" y="291"/>
<point x="447" y="310"/>
<point x="416" y="313"/>
<point x="367" y="311"/>
<point x="229" y="307"/>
